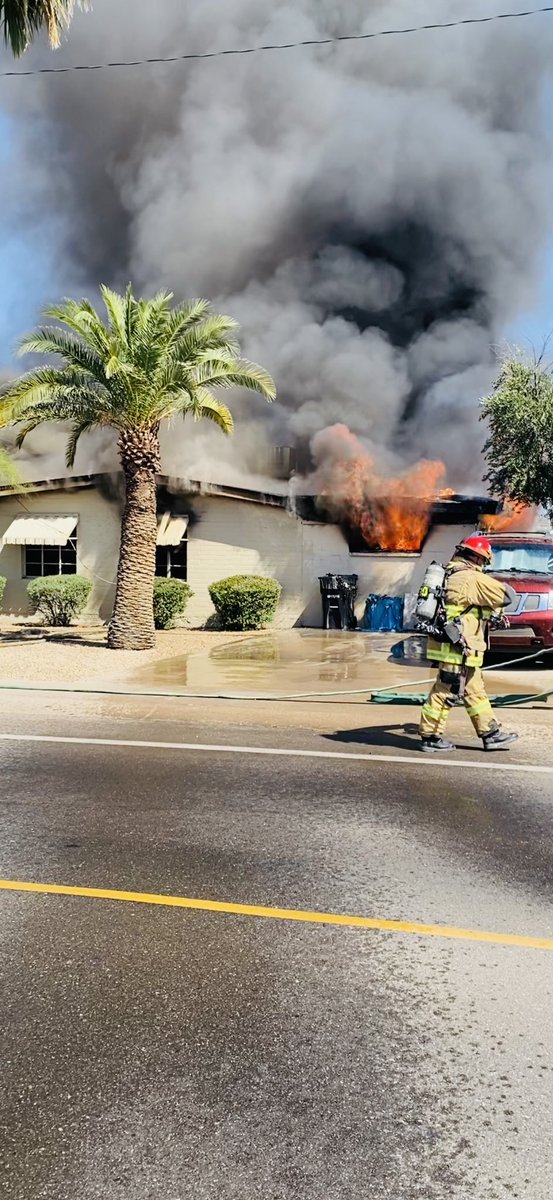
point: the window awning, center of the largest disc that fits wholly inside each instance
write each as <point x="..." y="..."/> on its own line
<point x="171" y="530"/>
<point x="52" y="530"/>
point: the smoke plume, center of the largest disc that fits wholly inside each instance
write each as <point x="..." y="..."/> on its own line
<point x="372" y="213"/>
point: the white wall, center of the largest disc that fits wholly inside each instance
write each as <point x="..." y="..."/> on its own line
<point x="236" y="537"/>
<point x="97" y="545"/>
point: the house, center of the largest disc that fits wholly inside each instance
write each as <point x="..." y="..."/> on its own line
<point x="206" y="532"/>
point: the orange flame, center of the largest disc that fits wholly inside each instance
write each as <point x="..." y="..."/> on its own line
<point x="391" y="513"/>
<point x="514" y="518"/>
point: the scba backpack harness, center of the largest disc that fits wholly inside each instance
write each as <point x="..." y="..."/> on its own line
<point x="434" y="617"/>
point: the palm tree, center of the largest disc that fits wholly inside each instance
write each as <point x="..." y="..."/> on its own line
<point x="22" y="19"/>
<point x="145" y="364"/>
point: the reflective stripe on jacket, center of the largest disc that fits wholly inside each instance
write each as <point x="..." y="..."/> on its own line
<point x="444" y="652"/>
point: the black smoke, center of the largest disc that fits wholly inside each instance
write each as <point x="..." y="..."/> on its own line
<point x="373" y="213"/>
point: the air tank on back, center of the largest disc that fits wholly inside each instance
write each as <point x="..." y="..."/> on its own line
<point x="429" y="592"/>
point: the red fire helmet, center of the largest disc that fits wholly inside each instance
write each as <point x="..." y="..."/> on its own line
<point x="479" y="545"/>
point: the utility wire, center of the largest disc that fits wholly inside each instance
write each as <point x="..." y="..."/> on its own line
<point x="330" y="41"/>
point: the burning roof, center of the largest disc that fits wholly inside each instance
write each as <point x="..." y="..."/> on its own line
<point x="512" y="518"/>
<point x="379" y="510"/>
<point x="451" y="510"/>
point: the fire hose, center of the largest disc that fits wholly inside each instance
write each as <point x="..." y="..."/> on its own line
<point x="388" y="695"/>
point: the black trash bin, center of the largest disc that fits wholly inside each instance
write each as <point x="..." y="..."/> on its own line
<point x="338" y="594"/>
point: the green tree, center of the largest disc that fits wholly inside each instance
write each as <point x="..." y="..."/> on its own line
<point x="8" y="472"/>
<point x="146" y="363"/>
<point x="23" y="19"/>
<point x="519" y="448"/>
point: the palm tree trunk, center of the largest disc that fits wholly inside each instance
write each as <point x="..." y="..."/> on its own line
<point x="132" y="622"/>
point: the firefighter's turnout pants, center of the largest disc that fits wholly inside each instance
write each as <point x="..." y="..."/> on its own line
<point x="455" y="681"/>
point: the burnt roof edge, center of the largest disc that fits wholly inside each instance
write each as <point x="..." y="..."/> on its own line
<point x="455" y="510"/>
<point x="72" y="483"/>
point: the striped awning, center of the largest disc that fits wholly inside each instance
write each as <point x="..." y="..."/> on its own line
<point x="54" y="530"/>
<point x="171" y="530"/>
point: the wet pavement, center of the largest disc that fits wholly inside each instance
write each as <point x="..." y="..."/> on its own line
<point x="290" y="661"/>
<point x="156" y="1052"/>
<point x="313" y="661"/>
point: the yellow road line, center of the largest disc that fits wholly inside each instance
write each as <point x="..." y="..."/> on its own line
<point x="283" y="914"/>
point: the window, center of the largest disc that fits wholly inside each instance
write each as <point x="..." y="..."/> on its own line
<point x="172" y="561"/>
<point x="530" y="558"/>
<point x="50" y="560"/>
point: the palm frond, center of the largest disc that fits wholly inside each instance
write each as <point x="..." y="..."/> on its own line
<point x="241" y="372"/>
<point x="212" y="335"/>
<point x="150" y="333"/>
<point x="131" y="314"/>
<point x="82" y="318"/>
<point x="22" y="19"/>
<point x="25" y="431"/>
<point x="116" y="309"/>
<point x="8" y="408"/>
<point x="54" y="384"/>
<point x="73" y="440"/>
<point x="184" y="316"/>
<point x="62" y="413"/>
<point x="48" y="339"/>
<point x="204" y="406"/>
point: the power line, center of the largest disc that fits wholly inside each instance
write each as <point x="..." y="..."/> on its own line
<point x="330" y="41"/>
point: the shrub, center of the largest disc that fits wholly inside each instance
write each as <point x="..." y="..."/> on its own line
<point x="170" y="599"/>
<point x="59" y="598"/>
<point x="245" y="601"/>
<point x="2" y="586"/>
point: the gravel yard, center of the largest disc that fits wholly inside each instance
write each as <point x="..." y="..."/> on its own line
<point x="35" y="654"/>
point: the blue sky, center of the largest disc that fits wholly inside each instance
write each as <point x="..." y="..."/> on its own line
<point x="533" y="327"/>
<point x="26" y="273"/>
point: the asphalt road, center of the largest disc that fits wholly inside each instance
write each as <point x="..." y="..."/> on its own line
<point x="159" y="1053"/>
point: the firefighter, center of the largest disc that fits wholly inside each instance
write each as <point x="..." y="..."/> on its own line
<point x="471" y="600"/>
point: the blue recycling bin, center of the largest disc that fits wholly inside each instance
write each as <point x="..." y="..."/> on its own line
<point x="383" y="614"/>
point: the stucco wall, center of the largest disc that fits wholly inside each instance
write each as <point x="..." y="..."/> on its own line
<point x="235" y="537"/>
<point x="97" y="544"/>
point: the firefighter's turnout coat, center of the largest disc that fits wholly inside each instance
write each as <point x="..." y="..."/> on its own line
<point x="471" y="598"/>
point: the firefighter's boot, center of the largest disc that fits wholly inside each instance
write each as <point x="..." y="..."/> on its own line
<point x="429" y="745"/>
<point x="498" y="738"/>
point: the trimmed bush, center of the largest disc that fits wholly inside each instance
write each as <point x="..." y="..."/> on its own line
<point x="2" y="586"/>
<point x="245" y="601"/>
<point x="170" y="599"/>
<point x="59" y="598"/>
